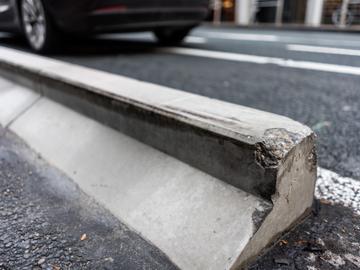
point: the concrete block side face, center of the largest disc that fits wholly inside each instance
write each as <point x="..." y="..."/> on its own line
<point x="198" y="221"/>
<point x="20" y="76"/>
<point x="222" y="157"/>
<point x="14" y="100"/>
<point x="226" y="141"/>
<point x="292" y="201"/>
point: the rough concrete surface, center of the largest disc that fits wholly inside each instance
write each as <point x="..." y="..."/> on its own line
<point x="267" y="155"/>
<point x="199" y="221"/>
<point x="46" y="222"/>
<point x="216" y="137"/>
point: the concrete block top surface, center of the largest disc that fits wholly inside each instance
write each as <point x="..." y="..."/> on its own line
<point x="227" y="119"/>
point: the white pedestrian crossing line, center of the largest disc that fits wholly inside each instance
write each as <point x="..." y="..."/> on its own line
<point x="247" y="58"/>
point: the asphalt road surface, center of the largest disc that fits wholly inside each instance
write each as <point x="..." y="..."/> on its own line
<point x="312" y="77"/>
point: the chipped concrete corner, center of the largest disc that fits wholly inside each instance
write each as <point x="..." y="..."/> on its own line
<point x="292" y="201"/>
<point x="250" y="174"/>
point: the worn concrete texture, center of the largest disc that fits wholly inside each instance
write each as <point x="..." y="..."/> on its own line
<point x="268" y="160"/>
<point x="175" y="206"/>
<point x="44" y="229"/>
<point x="217" y="137"/>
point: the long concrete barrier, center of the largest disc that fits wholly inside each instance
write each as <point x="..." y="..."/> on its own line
<point x="211" y="184"/>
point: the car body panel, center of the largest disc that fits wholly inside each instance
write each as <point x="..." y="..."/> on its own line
<point x="9" y="16"/>
<point x="89" y="16"/>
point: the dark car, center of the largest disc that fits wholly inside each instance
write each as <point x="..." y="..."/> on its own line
<point x="43" y="22"/>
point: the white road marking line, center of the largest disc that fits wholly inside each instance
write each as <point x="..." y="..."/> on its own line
<point x="265" y="60"/>
<point x="308" y="39"/>
<point x="322" y="42"/>
<point x="338" y="189"/>
<point x="242" y="36"/>
<point x="325" y="50"/>
<point x="197" y="40"/>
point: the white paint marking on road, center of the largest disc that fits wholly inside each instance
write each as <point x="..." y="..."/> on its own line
<point x="265" y="60"/>
<point x="242" y="36"/>
<point x="196" y="40"/>
<point x="338" y="189"/>
<point x="325" y="50"/>
<point x="299" y="39"/>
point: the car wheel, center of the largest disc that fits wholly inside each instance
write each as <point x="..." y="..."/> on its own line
<point x="37" y="26"/>
<point x="171" y="36"/>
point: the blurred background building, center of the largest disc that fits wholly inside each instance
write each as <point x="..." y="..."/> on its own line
<point x="339" y="13"/>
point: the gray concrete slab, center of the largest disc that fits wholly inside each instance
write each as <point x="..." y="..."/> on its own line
<point x="249" y="174"/>
<point x="209" y="141"/>
<point x="175" y="206"/>
<point x="14" y="99"/>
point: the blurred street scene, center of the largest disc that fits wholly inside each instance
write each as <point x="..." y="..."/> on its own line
<point x="301" y="13"/>
<point x="293" y="58"/>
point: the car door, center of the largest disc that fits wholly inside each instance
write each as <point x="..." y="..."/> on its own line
<point x="153" y="4"/>
<point x="8" y="14"/>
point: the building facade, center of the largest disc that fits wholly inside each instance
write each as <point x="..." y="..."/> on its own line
<point x="308" y="12"/>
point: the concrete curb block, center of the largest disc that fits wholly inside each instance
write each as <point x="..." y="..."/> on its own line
<point x="268" y="158"/>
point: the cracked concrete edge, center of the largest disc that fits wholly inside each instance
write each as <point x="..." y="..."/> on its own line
<point x="45" y="123"/>
<point x="222" y="139"/>
<point x="293" y="200"/>
<point x="274" y="155"/>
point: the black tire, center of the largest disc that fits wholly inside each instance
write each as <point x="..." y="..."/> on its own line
<point x="38" y="28"/>
<point x="171" y="36"/>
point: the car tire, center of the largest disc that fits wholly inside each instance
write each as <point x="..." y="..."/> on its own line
<point x="38" y="28"/>
<point x="171" y="36"/>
